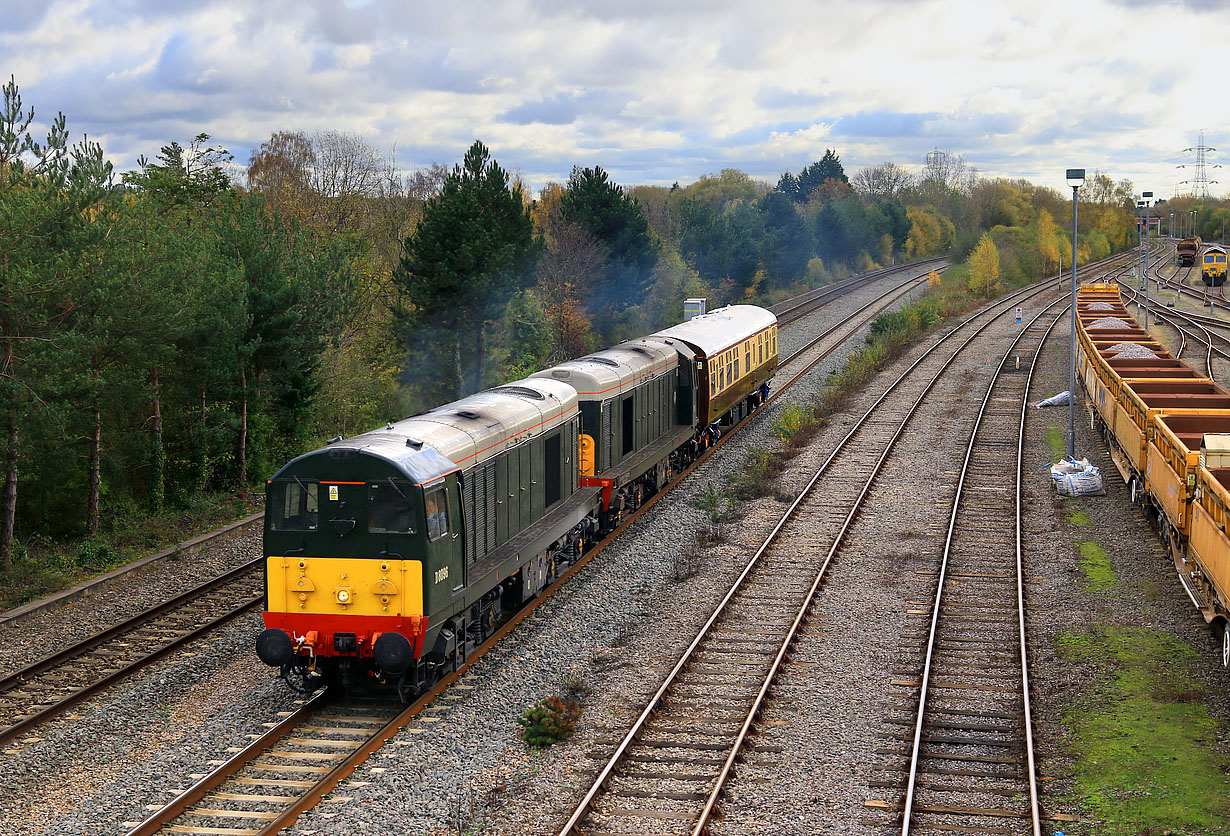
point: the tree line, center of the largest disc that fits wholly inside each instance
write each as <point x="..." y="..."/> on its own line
<point x="177" y="332"/>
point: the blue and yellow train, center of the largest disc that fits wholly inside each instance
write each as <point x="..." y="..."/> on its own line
<point x="390" y="556"/>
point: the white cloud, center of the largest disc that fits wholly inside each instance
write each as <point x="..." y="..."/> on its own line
<point x="654" y="91"/>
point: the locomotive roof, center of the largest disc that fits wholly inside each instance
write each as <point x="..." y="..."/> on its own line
<point x="613" y="371"/>
<point x="720" y="329"/>
<point x="467" y="432"/>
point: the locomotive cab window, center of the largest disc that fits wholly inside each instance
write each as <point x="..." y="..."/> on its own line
<point x="389" y="508"/>
<point x="294" y="505"/>
<point x="437" y="514"/>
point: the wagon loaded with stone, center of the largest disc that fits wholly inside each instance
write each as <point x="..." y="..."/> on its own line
<point x="1167" y="428"/>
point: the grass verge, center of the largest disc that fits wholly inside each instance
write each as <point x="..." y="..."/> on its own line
<point x="1056" y="441"/>
<point x="1095" y="566"/>
<point x="1145" y="744"/>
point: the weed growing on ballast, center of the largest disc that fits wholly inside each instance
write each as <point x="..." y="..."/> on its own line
<point x="549" y="721"/>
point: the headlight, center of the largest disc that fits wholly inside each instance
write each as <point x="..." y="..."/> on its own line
<point x="343" y="596"/>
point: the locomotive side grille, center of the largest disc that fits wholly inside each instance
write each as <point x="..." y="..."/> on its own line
<point x="489" y="506"/>
<point x="467" y="499"/>
<point x="606" y="446"/>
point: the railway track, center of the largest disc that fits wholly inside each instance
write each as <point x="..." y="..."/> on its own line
<point x="56" y="683"/>
<point x="304" y="756"/>
<point x="669" y="770"/>
<point x="968" y="760"/>
<point x="53" y="685"/>
<point x="1192" y="328"/>
<point x="791" y="310"/>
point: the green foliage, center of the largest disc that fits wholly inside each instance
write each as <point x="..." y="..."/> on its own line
<point x="984" y="268"/>
<point x="756" y="477"/>
<point x="94" y="556"/>
<point x="528" y="337"/>
<point x="606" y="211"/>
<point x="175" y="296"/>
<point x="1143" y="739"/>
<point x="1096" y="567"/>
<point x="474" y="247"/>
<point x="794" y="423"/>
<point x="800" y="189"/>
<point x="713" y="502"/>
<point x="549" y="721"/>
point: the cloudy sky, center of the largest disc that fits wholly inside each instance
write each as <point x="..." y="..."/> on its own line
<point x="655" y="91"/>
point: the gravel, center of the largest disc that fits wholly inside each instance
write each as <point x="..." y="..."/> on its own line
<point x="42" y="633"/>
<point x="614" y="628"/>
<point x="142" y="741"/>
<point x="1108" y="322"/>
<point x="1130" y="351"/>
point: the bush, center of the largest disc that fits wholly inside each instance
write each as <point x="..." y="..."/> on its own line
<point x="796" y="424"/>
<point x="757" y="476"/>
<point x="549" y="721"/>
<point x="95" y="556"/>
<point x="713" y="502"/>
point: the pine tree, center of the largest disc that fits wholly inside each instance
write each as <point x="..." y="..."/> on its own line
<point x="474" y="247"/>
<point x="48" y="227"/>
<point x="607" y="212"/>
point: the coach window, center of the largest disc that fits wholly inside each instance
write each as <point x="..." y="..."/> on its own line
<point x="389" y="507"/>
<point x="294" y="505"/>
<point x="437" y="514"/>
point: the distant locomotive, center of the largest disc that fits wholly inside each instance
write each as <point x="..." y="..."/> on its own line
<point x="390" y="556"/>
<point x="1189" y="249"/>
<point x="1213" y="266"/>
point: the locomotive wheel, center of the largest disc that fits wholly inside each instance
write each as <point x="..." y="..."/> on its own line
<point x="1225" y="644"/>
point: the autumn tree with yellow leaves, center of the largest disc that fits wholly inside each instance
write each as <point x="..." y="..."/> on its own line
<point x="983" y="266"/>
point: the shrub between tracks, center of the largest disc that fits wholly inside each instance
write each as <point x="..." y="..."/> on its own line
<point x="549" y="721"/>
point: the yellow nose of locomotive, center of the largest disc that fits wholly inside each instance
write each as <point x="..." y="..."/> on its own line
<point x="349" y="586"/>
